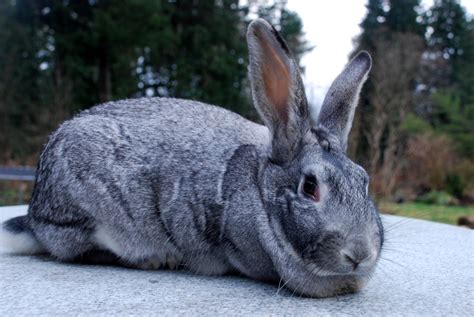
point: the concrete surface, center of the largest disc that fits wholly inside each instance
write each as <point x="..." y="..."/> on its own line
<point x="428" y="269"/>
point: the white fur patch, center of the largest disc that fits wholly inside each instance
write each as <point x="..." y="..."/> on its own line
<point x="103" y="238"/>
<point x="19" y="243"/>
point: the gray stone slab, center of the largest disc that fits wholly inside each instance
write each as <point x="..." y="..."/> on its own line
<point x="428" y="269"/>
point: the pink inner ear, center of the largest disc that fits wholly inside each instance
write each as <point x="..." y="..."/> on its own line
<point x="276" y="76"/>
<point x="277" y="80"/>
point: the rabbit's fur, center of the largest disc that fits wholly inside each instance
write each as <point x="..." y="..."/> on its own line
<point x="153" y="182"/>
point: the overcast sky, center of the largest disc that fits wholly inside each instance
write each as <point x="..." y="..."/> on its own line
<point x="332" y="36"/>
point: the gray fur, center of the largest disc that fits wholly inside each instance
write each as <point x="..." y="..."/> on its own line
<point x="175" y="182"/>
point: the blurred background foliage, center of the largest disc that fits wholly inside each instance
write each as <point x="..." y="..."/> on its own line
<point x="59" y="57"/>
<point x="413" y="132"/>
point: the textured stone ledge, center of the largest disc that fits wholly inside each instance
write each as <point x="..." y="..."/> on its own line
<point x="429" y="271"/>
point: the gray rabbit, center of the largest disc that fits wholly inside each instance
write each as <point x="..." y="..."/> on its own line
<point x="168" y="182"/>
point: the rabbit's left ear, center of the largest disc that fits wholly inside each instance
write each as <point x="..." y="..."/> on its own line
<point x="337" y="111"/>
<point x="277" y="90"/>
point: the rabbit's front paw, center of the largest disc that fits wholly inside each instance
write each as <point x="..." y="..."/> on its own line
<point x="172" y="262"/>
<point x="156" y="263"/>
<point x="153" y="263"/>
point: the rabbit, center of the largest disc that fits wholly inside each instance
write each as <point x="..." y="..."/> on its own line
<point x="163" y="182"/>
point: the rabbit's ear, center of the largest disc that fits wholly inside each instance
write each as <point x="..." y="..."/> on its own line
<point x="277" y="90"/>
<point x="337" y="111"/>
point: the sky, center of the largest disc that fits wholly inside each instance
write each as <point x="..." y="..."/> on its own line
<point x="332" y="37"/>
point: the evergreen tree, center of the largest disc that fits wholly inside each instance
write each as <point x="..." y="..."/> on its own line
<point x="208" y="60"/>
<point x="404" y="18"/>
<point x="447" y="26"/>
<point x="451" y="48"/>
<point x="465" y="66"/>
<point x="372" y="24"/>
<point x="20" y="88"/>
<point x="59" y="57"/>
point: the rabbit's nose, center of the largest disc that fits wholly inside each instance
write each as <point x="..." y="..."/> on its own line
<point x="356" y="253"/>
<point x="354" y="260"/>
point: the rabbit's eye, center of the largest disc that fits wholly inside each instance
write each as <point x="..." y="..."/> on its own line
<point x="325" y="145"/>
<point x="310" y="188"/>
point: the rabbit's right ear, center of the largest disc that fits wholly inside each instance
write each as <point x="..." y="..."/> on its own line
<point x="277" y="90"/>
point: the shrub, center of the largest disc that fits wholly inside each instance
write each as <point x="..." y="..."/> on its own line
<point x="430" y="159"/>
<point x="465" y="170"/>
<point x="455" y="185"/>
<point x="437" y="198"/>
<point x="415" y="125"/>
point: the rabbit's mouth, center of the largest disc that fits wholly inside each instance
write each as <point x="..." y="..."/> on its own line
<point x="319" y="271"/>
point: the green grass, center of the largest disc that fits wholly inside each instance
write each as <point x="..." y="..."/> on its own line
<point x="438" y="213"/>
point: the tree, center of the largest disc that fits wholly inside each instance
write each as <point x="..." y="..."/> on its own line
<point x="392" y="34"/>
<point x="402" y="17"/>
<point x="447" y="25"/>
<point x="465" y="67"/>
<point x="450" y="59"/>
<point x="59" y="57"/>
<point x="393" y="73"/>
<point x="372" y="24"/>
<point x="20" y="90"/>
<point x="208" y="59"/>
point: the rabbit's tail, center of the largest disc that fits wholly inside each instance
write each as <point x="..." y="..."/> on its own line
<point x="17" y="237"/>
